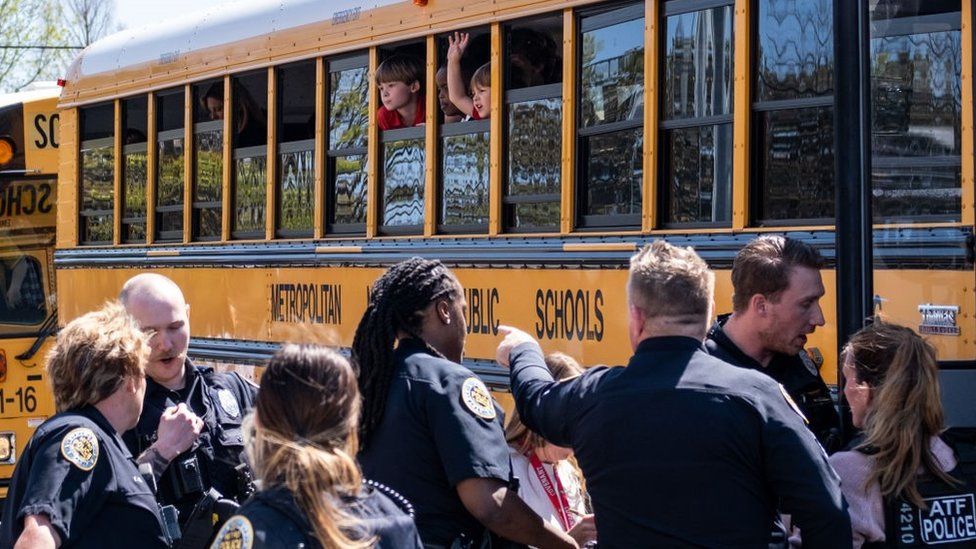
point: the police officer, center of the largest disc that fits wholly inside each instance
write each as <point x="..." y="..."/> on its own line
<point x="302" y="450"/>
<point x="430" y="429"/>
<point x="775" y="305"/>
<point x="680" y="448"/>
<point x="77" y="485"/>
<point x="218" y="401"/>
<point x="910" y="483"/>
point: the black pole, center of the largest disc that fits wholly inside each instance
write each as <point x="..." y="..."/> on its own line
<point x="852" y="153"/>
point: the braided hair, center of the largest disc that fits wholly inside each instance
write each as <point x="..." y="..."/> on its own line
<point x="395" y="304"/>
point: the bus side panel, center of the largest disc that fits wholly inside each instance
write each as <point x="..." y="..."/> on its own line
<point x="582" y="312"/>
<point x="68" y="179"/>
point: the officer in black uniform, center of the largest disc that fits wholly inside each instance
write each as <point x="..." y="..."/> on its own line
<point x="307" y="413"/>
<point x="76" y="484"/>
<point x="680" y="448"/>
<point x="210" y="468"/>
<point x="776" y="293"/>
<point x="442" y="444"/>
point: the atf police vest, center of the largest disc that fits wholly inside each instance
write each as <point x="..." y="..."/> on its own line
<point x="950" y="520"/>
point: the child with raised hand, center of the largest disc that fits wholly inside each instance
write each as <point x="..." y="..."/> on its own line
<point x="478" y="105"/>
<point x="399" y="79"/>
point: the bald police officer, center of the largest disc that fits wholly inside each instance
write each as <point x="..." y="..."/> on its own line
<point x="680" y="448"/>
<point x="775" y="306"/>
<point x="213" y="456"/>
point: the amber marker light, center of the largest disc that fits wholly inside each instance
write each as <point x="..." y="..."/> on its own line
<point x="6" y="150"/>
<point x="420" y="2"/>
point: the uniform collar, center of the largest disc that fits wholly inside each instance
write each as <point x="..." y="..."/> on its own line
<point x="91" y="412"/>
<point x="719" y="337"/>
<point x="667" y="343"/>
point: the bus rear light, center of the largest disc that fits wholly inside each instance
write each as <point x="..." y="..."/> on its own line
<point x="62" y="82"/>
<point x="6" y="150"/>
<point x="8" y="448"/>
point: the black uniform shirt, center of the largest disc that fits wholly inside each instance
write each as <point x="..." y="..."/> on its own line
<point x="680" y="448"/>
<point x="221" y="400"/>
<point x="440" y="427"/>
<point x="272" y="519"/>
<point x="795" y="372"/>
<point x="78" y="472"/>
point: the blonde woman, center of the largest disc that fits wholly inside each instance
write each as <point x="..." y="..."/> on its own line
<point x="550" y="482"/>
<point x="899" y="480"/>
<point x="302" y="449"/>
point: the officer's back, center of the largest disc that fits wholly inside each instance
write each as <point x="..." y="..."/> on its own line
<point x="680" y="448"/>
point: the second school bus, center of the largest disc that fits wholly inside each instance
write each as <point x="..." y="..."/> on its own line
<point x="237" y="152"/>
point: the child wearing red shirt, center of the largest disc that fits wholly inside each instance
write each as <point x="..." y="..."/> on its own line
<point x="399" y="80"/>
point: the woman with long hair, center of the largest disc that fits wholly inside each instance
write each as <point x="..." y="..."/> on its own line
<point x="901" y="459"/>
<point x="430" y="429"/>
<point x="302" y="442"/>
<point x="550" y="481"/>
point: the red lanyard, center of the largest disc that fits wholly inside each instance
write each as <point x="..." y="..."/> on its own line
<point x="553" y="488"/>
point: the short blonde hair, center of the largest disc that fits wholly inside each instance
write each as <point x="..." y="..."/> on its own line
<point x="520" y="437"/>
<point x="482" y="76"/>
<point x="669" y="281"/>
<point x="94" y="355"/>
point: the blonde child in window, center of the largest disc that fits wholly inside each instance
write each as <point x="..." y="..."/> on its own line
<point x="399" y="80"/>
<point x="477" y="106"/>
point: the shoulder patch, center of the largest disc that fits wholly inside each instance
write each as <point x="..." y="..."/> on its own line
<point x="228" y="402"/>
<point x="476" y="398"/>
<point x="236" y="533"/>
<point x="80" y="447"/>
<point x="789" y="400"/>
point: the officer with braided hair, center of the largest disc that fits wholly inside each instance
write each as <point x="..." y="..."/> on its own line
<point x="430" y="429"/>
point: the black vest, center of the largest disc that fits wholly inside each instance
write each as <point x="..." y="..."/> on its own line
<point x="950" y="520"/>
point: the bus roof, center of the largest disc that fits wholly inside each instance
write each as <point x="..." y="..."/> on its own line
<point x="38" y="90"/>
<point x="235" y="37"/>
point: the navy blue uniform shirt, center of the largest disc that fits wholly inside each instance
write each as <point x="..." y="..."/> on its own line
<point x="431" y="438"/>
<point x="680" y="448"/>
<point x="78" y="472"/>
<point x="221" y="400"/>
<point x="795" y="372"/>
<point x="272" y="519"/>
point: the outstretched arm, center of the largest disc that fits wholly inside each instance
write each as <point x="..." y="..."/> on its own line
<point x="456" y="89"/>
<point x="504" y="513"/>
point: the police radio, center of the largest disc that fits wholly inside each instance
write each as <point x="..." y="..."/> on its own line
<point x="169" y="513"/>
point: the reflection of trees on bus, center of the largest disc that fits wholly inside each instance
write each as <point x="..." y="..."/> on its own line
<point x="615" y="167"/>
<point x="22" y="297"/>
<point x="403" y="182"/>
<point x="297" y="195"/>
<point x="615" y="86"/>
<point x="783" y="71"/>
<point x="465" y="179"/>
<point x="350" y="189"/>
<point x="250" y="197"/>
<point x="349" y="115"/>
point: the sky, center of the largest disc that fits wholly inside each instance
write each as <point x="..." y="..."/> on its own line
<point x="136" y="13"/>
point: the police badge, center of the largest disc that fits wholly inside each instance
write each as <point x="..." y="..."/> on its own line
<point x="476" y="398"/>
<point x="228" y="402"/>
<point x="80" y="447"/>
<point x="237" y="533"/>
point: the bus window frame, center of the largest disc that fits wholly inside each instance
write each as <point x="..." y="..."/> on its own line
<point x="333" y="65"/>
<point x="588" y="20"/>
<point x="252" y="151"/>
<point x="201" y="205"/>
<point x="413" y="133"/>
<point x="672" y="8"/>
<point x="285" y="147"/>
<point x="83" y="214"/>
<point x="134" y="148"/>
<point x="41" y="254"/>
<point x="456" y="129"/>
<point x="173" y="236"/>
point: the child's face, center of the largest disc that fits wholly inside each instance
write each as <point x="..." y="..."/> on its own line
<point x="443" y="98"/>
<point x="396" y="95"/>
<point x="481" y="97"/>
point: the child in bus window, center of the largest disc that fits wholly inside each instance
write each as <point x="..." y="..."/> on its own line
<point x="399" y="79"/>
<point x="450" y="110"/>
<point x="477" y="106"/>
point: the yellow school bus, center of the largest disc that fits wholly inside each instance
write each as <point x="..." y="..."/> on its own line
<point x="237" y="151"/>
<point x="29" y="140"/>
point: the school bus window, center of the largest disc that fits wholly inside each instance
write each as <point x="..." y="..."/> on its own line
<point x="208" y="158"/>
<point x="401" y="83"/>
<point x="533" y="101"/>
<point x="611" y="117"/>
<point x="170" y="143"/>
<point x="296" y="149"/>
<point x="250" y="122"/>
<point x="793" y="103"/>
<point x="346" y="157"/>
<point x="96" y="210"/>
<point x="22" y="299"/>
<point x="463" y="191"/>
<point x="916" y="103"/>
<point x="696" y="123"/>
<point x="135" y="119"/>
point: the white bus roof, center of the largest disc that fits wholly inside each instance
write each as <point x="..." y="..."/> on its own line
<point x="39" y="90"/>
